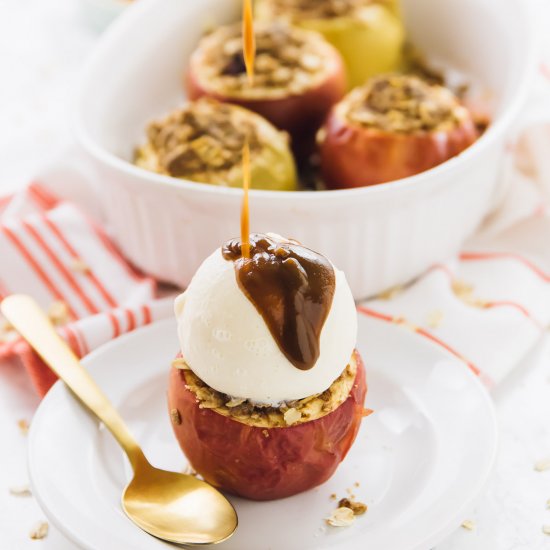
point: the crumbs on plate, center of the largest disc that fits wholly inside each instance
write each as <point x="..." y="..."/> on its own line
<point x="347" y="510"/>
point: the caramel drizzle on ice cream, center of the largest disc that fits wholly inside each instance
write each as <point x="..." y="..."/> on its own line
<point x="292" y="287"/>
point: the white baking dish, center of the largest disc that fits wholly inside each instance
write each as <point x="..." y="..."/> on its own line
<point x="381" y="235"/>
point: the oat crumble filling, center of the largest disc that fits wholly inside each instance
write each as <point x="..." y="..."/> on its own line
<point x="320" y="9"/>
<point x="203" y="141"/>
<point x="289" y="61"/>
<point x="403" y="104"/>
<point x="290" y="413"/>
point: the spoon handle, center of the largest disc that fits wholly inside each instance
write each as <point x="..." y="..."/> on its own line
<point x="33" y="325"/>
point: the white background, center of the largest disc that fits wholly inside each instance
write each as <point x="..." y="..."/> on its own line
<point x="43" y="44"/>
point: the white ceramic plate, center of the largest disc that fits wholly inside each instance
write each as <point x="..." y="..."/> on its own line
<point x="420" y="460"/>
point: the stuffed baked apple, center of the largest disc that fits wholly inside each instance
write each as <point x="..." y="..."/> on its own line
<point x="368" y="33"/>
<point x="393" y="127"/>
<point x="267" y="396"/>
<point x="203" y="142"/>
<point x="298" y="77"/>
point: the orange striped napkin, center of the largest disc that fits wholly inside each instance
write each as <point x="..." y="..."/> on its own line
<point x="53" y="251"/>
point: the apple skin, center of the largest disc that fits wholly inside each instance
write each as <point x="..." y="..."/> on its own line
<point x="241" y="460"/>
<point x="357" y="156"/>
<point x="301" y="115"/>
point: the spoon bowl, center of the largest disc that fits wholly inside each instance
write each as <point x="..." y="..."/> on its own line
<point x="178" y="507"/>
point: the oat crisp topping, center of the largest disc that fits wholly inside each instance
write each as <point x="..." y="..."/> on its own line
<point x="266" y="416"/>
<point x="203" y="141"/>
<point x="288" y="60"/>
<point x="319" y="9"/>
<point x="403" y="104"/>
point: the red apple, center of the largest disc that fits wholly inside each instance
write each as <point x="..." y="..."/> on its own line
<point x="356" y="155"/>
<point x="299" y="108"/>
<point x="260" y="463"/>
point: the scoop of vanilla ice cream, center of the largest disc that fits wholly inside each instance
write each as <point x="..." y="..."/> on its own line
<point x="226" y="342"/>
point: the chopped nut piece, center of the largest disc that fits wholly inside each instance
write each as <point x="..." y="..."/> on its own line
<point x="356" y="484"/>
<point x="39" y="531"/>
<point x="80" y="266"/>
<point x="23" y="426"/>
<point x="58" y="313"/>
<point x="175" y="416"/>
<point x="333" y="496"/>
<point x="266" y="433"/>
<point x="21" y="491"/>
<point x="358" y="508"/>
<point x="468" y="524"/>
<point x="292" y="416"/>
<point x="180" y="363"/>
<point x="542" y="465"/>
<point x="546" y="529"/>
<point x="341" y="517"/>
<point x="235" y="402"/>
<point x="434" y="319"/>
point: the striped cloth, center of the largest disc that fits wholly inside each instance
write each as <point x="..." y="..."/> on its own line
<point x="53" y="251"/>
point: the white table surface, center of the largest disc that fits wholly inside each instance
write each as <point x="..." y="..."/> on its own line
<point x="42" y="46"/>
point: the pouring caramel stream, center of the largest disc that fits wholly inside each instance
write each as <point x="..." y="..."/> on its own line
<point x="249" y="54"/>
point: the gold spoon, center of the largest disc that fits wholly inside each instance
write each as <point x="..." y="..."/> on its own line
<point x="173" y="507"/>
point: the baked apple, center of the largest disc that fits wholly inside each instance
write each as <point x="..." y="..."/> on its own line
<point x="266" y="453"/>
<point x="267" y="396"/>
<point x="203" y="142"/>
<point x="298" y="77"/>
<point x="368" y="33"/>
<point x="393" y="127"/>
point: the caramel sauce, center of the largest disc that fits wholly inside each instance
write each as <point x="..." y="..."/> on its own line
<point x="292" y="287"/>
<point x="249" y="54"/>
<point x="245" y="209"/>
<point x="249" y="41"/>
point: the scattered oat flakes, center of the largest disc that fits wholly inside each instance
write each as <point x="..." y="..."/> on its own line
<point x="180" y="363"/>
<point x="291" y="416"/>
<point x="356" y="484"/>
<point x="542" y="465"/>
<point x="23" y="426"/>
<point x="468" y="524"/>
<point x="358" y="508"/>
<point x="546" y="529"/>
<point x="434" y="319"/>
<point x="39" y="531"/>
<point x="548" y="504"/>
<point x="341" y="517"/>
<point x="58" y="313"/>
<point x="80" y="266"/>
<point x="21" y="491"/>
<point x="390" y="293"/>
<point x="175" y="416"/>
